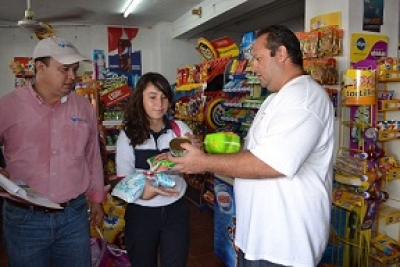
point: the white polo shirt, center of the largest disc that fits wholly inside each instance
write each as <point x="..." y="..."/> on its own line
<point x="286" y="220"/>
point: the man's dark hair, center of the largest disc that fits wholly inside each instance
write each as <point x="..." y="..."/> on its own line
<point x="279" y="35"/>
<point x="45" y="60"/>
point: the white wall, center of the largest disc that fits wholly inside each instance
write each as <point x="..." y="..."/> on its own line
<point x="159" y="52"/>
<point x="171" y="54"/>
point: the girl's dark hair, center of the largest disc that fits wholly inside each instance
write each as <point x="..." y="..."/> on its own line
<point x="136" y="122"/>
<point x="279" y="35"/>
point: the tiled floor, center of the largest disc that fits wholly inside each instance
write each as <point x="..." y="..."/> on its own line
<point x="201" y="251"/>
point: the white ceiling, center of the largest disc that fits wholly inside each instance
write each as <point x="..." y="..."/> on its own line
<point x="101" y="12"/>
<point x="251" y="15"/>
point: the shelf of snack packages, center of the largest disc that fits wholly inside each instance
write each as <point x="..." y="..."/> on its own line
<point x="364" y="168"/>
<point x="207" y="112"/>
<point x="112" y="97"/>
<point x="244" y="97"/>
<point x="233" y="108"/>
<point x="190" y="78"/>
<point x="112" y="92"/>
<point x="320" y="48"/>
<point x="108" y="96"/>
<point x="23" y="69"/>
<point x="204" y="111"/>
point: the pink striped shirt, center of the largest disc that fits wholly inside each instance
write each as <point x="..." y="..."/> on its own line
<point x="54" y="149"/>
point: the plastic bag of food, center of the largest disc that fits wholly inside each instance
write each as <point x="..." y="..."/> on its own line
<point x="131" y="187"/>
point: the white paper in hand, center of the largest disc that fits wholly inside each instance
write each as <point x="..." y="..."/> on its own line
<point x="19" y="191"/>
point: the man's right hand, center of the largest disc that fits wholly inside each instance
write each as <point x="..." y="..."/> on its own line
<point x="4" y="172"/>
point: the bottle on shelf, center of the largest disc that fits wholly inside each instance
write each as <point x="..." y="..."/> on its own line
<point x="101" y="65"/>
<point x="124" y="52"/>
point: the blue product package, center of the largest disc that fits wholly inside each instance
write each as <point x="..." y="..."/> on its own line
<point x="163" y="179"/>
<point x="130" y="188"/>
<point x="224" y="223"/>
<point x="246" y="46"/>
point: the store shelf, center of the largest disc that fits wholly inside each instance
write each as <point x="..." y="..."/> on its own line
<point x="389" y="105"/>
<point x="389" y="76"/>
<point x="237" y="90"/>
<point x="393" y="173"/>
<point x="388" y="135"/>
<point x="110" y="148"/>
<point x="189" y="87"/>
<point x="237" y="77"/>
<point x="390" y="214"/>
<point x="112" y="123"/>
<point x="256" y="104"/>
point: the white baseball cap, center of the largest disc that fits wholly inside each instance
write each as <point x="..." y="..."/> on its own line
<point x="59" y="49"/>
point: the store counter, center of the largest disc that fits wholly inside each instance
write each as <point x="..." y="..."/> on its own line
<point x="224" y="220"/>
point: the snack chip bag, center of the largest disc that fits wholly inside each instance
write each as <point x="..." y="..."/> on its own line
<point x="160" y="163"/>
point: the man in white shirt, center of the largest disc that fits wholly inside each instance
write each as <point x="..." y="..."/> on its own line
<point x="283" y="175"/>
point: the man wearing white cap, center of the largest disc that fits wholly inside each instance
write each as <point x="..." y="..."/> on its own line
<point x="50" y="140"/>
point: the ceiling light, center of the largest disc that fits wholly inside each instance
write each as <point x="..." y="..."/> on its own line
<point x="131" y="5"/>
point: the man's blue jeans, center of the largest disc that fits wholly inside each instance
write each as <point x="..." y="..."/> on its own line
<point x="38" y="239"/>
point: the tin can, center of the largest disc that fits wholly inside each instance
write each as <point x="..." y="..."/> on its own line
<point x="358" y="87"/>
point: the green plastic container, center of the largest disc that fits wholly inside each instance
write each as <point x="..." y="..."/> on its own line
<point x="222" y="143"/>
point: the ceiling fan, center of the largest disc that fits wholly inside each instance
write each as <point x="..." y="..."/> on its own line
<point x="41" y="27"/>
<point x="28" y="21"/>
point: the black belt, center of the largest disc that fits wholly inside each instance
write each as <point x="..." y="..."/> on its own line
<point x="42" y="209"/>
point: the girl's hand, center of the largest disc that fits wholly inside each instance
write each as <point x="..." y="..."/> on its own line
<point x="151" y="191"/>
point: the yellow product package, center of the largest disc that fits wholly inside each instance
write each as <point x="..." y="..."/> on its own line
<point x="113" y="227"/>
